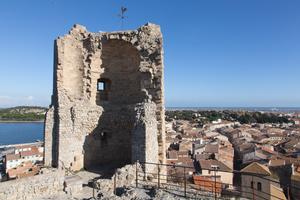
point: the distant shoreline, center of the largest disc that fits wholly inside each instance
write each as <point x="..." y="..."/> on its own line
<point x="14" y="121"/>
<point x="265" y="109"/>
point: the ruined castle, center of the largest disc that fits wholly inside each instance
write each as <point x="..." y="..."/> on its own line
<point x="108" y="99"/>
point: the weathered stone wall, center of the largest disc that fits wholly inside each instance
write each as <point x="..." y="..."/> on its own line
<point x="42" y="185"/>
<point x="145" y="146"/>
<point x="49" y="125"/>
<point x="113" y="144"/>
<point x="122" y="123"/>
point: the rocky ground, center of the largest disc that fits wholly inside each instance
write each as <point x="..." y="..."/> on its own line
<point x="126" y="193"/>
<point x="124" y="180"/>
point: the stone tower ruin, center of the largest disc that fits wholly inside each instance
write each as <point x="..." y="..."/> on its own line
<point x="108" y="99"/>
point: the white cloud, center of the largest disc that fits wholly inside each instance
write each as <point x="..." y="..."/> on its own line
<point x="11" y="101"/>
<point x="29" y="98"/>
<point x="4" y="97"/>
<point x="5" y="100"/>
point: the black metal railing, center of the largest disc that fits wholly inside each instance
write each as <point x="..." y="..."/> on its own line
<point x="183" y="184"/>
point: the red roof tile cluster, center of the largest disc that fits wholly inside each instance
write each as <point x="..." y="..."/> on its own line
<point x="34" y="151"/>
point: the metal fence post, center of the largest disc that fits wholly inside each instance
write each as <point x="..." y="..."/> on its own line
<point x="93" y="189"/>
<point x="136" y="174"/>
<point x="215" y="185"/>
<point x="252" y="184"/>
<point x="144" y="171"/>
<point x="212" y="188"/>
<point x="115" y="184"/>
<point x="158" y="175"/>
<point x="184" y="181"/>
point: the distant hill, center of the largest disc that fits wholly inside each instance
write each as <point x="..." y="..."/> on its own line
<point x="23" y="113"/>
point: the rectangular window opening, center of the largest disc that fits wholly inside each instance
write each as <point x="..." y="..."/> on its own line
<point x="101" y="86"/>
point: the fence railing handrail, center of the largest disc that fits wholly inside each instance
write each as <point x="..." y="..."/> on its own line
<point x="262" y="176"/>
<point x="238" y="188"/>
<point x="187" y="185"/>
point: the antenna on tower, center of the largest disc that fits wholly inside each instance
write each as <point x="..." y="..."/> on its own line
<point x="122" y="15"/>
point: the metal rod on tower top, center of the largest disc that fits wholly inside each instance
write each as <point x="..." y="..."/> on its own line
<point x="122" y="16"/>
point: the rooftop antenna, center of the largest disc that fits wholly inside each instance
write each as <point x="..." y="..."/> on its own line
<point x="122" y="16"/>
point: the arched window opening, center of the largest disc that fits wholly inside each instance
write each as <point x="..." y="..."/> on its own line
<point x="252" y="184"/>
<point x="259" y="186"/>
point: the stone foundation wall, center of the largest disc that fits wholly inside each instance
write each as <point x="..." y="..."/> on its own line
<point x="42" y="185"/>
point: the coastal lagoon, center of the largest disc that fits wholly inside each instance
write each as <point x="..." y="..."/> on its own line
<point x="21" y="132"/>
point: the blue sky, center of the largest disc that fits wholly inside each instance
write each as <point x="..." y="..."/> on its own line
<point x="217" y="52"/>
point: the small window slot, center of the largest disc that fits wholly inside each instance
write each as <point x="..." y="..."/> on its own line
<point x="101" y="86"/>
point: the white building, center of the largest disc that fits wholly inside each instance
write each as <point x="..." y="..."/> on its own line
<point x="215" y="167"/>
<point x="22" y="154"/>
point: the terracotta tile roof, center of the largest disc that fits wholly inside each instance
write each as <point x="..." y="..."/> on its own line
<point x="290" y="160"/>
<point x="184" y="160"/>
<point x="12" y="157"/>
<point x="207" y="164"/>
<point x="23" y="146"/>
<point x="201" y="157"/>
<point x="34" y="151"/>
<point x="298" y="169"/>
<point x="276" y="162"/>
<point x="183" y="153"/>
<point x="277" y="192"/>
<point x="246" y="146"/>
<point x="257" y="168"/>
<point x="295" y="177"/>
<point x="188" y="164"/>
<point x="172" y="155"/>
<point x="24" y="170"/>
<point x="212" y="148"/>
<point x="27" y="153"/>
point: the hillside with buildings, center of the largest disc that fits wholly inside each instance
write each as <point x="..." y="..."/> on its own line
<point x="218" y="144"/>
<point x="217" y="157"/>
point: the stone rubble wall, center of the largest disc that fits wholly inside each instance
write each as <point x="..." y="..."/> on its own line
<point x="114" y="147"/>
<point x="144" y="142"/>
<point x="49" y="125"/>
<point x="124" y="177"/>
<point x="48" y="183"/>
<point x="78" y="117"/>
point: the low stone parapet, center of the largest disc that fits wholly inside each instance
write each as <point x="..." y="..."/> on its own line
<point x="47" y="183"/>
<point x="73" y="184"/>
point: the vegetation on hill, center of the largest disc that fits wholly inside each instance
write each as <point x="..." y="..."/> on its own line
<point x="23" y="113"/>
<point x="244" y="117"/>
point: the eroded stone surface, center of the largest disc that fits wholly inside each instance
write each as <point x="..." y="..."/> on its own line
<point x="47" y="183"/>
<point x="108" y="99"/>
